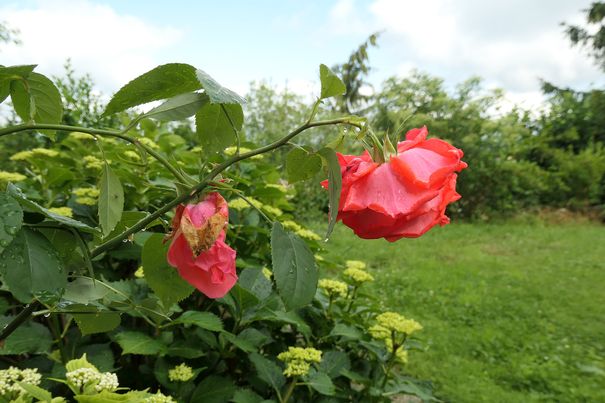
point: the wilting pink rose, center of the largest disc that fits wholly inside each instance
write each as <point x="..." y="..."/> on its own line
<point x="198" y="249"/>
<point x="403" y="197"/>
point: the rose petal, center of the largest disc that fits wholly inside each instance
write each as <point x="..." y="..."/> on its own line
<point x="382" y="191"/>
<point x="213" y="272"/>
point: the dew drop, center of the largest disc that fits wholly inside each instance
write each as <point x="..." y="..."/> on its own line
<point x="46" y="315"/>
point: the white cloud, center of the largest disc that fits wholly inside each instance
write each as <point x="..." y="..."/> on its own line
<point x="346" y="19"/>
<point x="428" y="27"/>
<point x="113" y="48"/>
<point x="510" y="44"/>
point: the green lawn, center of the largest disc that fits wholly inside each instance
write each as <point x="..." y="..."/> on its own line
<point x="511" y="312"/>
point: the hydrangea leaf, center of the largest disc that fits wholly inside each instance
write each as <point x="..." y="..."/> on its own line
<point x="214" y="389"/>
<point x="268" y="371"/>
<point x="139" y="343"/>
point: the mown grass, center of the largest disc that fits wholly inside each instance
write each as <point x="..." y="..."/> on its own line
<point x="511" y="312"/>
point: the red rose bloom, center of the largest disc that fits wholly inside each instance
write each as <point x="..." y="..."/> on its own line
<point x="198" y="249"/>
<point x="404" y="197"/>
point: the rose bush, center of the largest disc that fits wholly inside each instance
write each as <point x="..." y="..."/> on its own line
<point x="90" y="295"/>
<point x="198" y="249"/>
<point x="404" y="197"/>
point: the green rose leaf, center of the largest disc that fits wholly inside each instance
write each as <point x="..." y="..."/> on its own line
<point x="217" y="93"/>
<point x="29" y="338"/>
<point x="162" y="278"/>
<point x="302" y="165"/>
<point x="139" y="343"/>
<point x="84" y="290"/>
<point x="37" y="99"/>
<point x="162" y="82"/>
<point x="217" y="124"/>
<point x="10" y="73"/>
<point x="334" y="185"/>
<point x="268" y="371"/>
<point x="213" y="389"/>
<point x="111" y="200"/>
<point x="321" y="383"/>
<point x="5" y="90"/>
<point x="11" y="218"/>
<point x="31" y="266"/>
<point x="294" y="268"/>
<point x="331" y="85"/>
<point x="32" y="206"/>
<point x="179" y="107"/>
<point x="204" y="320"/>
<point x="7" y="74"/>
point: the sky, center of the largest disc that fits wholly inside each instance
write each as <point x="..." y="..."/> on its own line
<point x="511" y="44"/>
